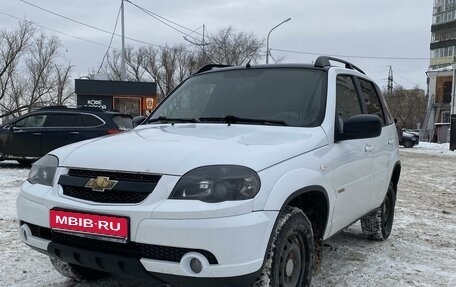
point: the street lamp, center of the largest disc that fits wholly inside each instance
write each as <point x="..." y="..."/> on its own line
<point x="267" y="40"/>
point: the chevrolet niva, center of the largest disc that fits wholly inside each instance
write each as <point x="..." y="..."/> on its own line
<point x="235" y="179"/>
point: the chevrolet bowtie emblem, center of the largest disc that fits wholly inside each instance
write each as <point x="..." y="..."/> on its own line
<point x="101" y="183"/>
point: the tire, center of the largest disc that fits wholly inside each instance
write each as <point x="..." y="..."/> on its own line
<point x="290" y="252"/>
<point x="378" y="225"/>
<point x="76" y="272"/>
<point x="408" y="144"/>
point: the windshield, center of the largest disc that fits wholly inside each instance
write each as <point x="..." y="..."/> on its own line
<point x="285" y="96"/>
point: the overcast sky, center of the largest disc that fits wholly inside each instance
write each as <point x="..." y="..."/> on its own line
<point x="360" y="28"/>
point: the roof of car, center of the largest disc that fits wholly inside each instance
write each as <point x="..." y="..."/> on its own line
<point x="321" y="63"/>
<point x="60" y="109"/>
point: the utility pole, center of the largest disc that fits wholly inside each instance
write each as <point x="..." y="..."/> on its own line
<point x="390" y="81"/>
<point x="201" y="44"/>
<point x="122" y="68"/>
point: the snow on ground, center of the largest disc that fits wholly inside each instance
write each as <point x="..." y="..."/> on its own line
<point x="432" y="149"/>
<point x="420" y="252"/>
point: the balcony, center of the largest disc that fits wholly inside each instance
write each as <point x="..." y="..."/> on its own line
<point x="443" y="8"/>
<point x="443" y="61"/>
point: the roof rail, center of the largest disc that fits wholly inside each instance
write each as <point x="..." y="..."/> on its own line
<point x="65" y="108"/>
<point x="89" y="108"/>
<point x="53" y="108"/>
<point x="323" y="61"/>
<point x="210" y="67"/>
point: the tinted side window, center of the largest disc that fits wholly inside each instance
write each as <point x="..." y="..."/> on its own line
<point x="64" y="120"/>
<point x="347" y="103"/>
<point x="34" y="121"/>
<point x="371" y="100"/>
<point x="91" y="121"/>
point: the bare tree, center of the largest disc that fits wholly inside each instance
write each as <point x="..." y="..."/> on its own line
<point x="12" y="45"/>
<point x="407" y="106"/>
<point x="63" y="88"/>
<point x="112" y="66"/>
<point x="168" y="66"/>
<point x="231" y="48"/>
<point x="32" y="77"/>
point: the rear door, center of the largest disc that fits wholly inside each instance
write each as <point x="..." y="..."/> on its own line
<point x="384" y="145"/>
<point x="94" y="126"/>
<point x="61" y="129"/>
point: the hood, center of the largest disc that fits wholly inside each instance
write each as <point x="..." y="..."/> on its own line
<point x="176" y="149"/>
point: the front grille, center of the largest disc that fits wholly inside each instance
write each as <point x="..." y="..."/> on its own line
<point x="130" y="187"/>
<point x="104" y="197"/>
<point x="119" y="176"/>
<point x="130" y="249"/>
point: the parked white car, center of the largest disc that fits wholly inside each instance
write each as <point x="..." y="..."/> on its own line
<point x="236" y="178"/>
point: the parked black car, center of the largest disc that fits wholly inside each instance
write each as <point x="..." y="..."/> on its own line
<point x="33" y="135"/>
<point x="409" y="139"/>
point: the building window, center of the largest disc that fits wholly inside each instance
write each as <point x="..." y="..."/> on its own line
<point x="129" y="106"/>
<point x="445" y="117"/>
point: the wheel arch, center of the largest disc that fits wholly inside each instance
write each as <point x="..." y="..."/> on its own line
<point x="314" y="202"/>
<point x="395" y="175"/>
<point x="305" y="199"/>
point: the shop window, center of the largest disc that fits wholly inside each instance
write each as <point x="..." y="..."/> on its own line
<point x="129" y="106"/>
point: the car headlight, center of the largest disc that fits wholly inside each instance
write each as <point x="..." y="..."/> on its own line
<point x="217" y="183"/>
<point x="43" y="170"/>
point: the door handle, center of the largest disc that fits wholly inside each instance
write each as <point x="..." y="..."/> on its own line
<point x="390" y="142"/>
<point x="369" y="148"/>
<point x="36" y="134"/>
<point x="74" y="133"/>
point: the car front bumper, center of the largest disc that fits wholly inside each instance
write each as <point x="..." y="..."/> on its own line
<point x="238" y="243"/>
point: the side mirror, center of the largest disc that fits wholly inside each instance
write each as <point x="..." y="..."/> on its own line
<point x="138" y="120"/>
<point x="361" y="127"/>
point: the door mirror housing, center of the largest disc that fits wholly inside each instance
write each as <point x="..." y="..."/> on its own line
<point x="361" y="127"/>
<point x="138" y="120"/>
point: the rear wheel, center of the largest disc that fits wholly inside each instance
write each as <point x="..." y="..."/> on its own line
<point x="76" y="272"/>
<point x="408" y="144"/>
<point x="289" y="259"/>
<point x="378" y="225"/>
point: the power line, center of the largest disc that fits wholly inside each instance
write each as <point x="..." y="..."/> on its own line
<point x="410" y="81"/>
<point x="56" y="31"/>
<point x="351" y="56"/>
<point x="110" y="42"/>
<point x="164" y="20"/>
<point x="88" y="25"/>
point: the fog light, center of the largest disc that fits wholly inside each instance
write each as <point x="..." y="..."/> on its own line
<point x="196" y="265"/>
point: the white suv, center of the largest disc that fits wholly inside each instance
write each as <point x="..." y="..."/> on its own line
<point x="236" y="178"/>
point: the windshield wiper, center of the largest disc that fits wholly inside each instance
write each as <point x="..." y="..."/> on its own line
<point x="172" y="120"/>
<point x="230" y="119"/>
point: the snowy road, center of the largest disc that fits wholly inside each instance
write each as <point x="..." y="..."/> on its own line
<point x="420" y="252"/>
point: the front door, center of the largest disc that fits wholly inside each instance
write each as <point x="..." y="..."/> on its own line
<point x="24" y="138"/>
<point x="352" y="159"/>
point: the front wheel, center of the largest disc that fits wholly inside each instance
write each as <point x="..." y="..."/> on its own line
<point x="290" y="252"/>
<point x="378" y="225"/>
